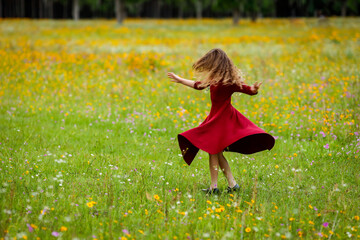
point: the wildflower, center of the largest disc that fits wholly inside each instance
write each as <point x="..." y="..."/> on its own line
<point x="125" y="231"/>
<point x="220" y="209"/>
<point x="311" y="222"/>
<point x="357" y="218"/>
<point x="208" y="202"/>
<point x="247" y="229"/>
<point x="276" y="166"/>
<point x="156" y="197"/>
<point x="141" y="231"/>
<point x="325" y="224"/>
<point x="63" y="229"/>
<point x="55" y="234"/>
<point x="291" y="219"/>
<point x="91" y="204"/>
<point x="30" y="228"/>
<point x="326" y="146"/>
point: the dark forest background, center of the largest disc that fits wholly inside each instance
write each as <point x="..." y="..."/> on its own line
<point x="120" y="9"/>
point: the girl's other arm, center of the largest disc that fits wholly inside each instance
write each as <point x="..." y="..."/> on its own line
<point x="186" y="82"/>
<point x="250" y="90"/>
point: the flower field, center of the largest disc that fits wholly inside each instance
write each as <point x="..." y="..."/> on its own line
<point x="89" y="120"/>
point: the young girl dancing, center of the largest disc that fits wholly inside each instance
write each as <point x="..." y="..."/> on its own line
<point x="225" y="129"/>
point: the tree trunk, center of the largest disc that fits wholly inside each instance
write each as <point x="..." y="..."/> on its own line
<point x="50" y="9"/>
<point x="17" y="8"/>
<point x="41" y="15"/>
<point x="181" y="10"/>
<point x="46" y="6"/>
<point x="293" y="10"/>
<point x="293" y="13"/>
<point x="139" y="7"/>
<point x="198" y="7"/>
<point x="236" y="16"/>
<point x="274" y="12"/>
<point x="22" y="8"/>
<point x="65" y="7"/>
<point x="33" y="9"/>
<point x="157" y="8"/>
<point x="119" y="11"/>
<point x="76" y="10"/>
<point x="343" y="8"/>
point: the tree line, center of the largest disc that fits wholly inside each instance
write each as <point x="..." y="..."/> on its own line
<point x="121" y="9"/>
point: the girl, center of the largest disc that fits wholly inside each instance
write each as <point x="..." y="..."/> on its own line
<point x="225" y="129"/>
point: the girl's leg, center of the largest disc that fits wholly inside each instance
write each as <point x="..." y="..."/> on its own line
<point x="224" y="165"/>
<point x="214" y="168"/>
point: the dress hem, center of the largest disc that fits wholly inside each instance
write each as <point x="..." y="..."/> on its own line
<point x="244" y="145"/>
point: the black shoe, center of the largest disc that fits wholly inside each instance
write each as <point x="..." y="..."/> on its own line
<point x="235" y="188"/>
<point x="211" y="191"/>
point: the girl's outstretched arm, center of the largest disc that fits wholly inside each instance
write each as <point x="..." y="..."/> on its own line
<point x="250" y="90"/>
<point x="177" y="79"/>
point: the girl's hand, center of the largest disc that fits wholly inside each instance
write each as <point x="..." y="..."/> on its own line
<point x="174" y="77"/>
<point x="255" y="87"/>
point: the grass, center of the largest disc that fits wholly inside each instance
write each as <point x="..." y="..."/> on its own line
<point x="89" y="122"/>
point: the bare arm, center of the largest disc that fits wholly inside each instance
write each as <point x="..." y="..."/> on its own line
<point x="175" y="78"/>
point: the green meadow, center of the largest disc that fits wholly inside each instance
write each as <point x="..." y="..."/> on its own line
<point x="89" y="123"/>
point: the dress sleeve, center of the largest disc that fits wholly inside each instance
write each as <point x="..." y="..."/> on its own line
<point x="244" y="89"/>
<point x="197" y="87"/>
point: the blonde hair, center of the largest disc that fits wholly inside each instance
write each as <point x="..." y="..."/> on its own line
<point x="216" y="67"/>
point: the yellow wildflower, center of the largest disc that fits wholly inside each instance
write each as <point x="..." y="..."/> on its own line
<point x="91" y="204"/>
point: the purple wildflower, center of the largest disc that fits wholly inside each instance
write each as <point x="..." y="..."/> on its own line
<point x="30" y="227"/>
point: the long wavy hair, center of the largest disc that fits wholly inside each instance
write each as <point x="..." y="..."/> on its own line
<point x="215" y="67"/>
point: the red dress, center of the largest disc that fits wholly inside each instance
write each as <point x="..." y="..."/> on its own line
<point x="225" y="129"/>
